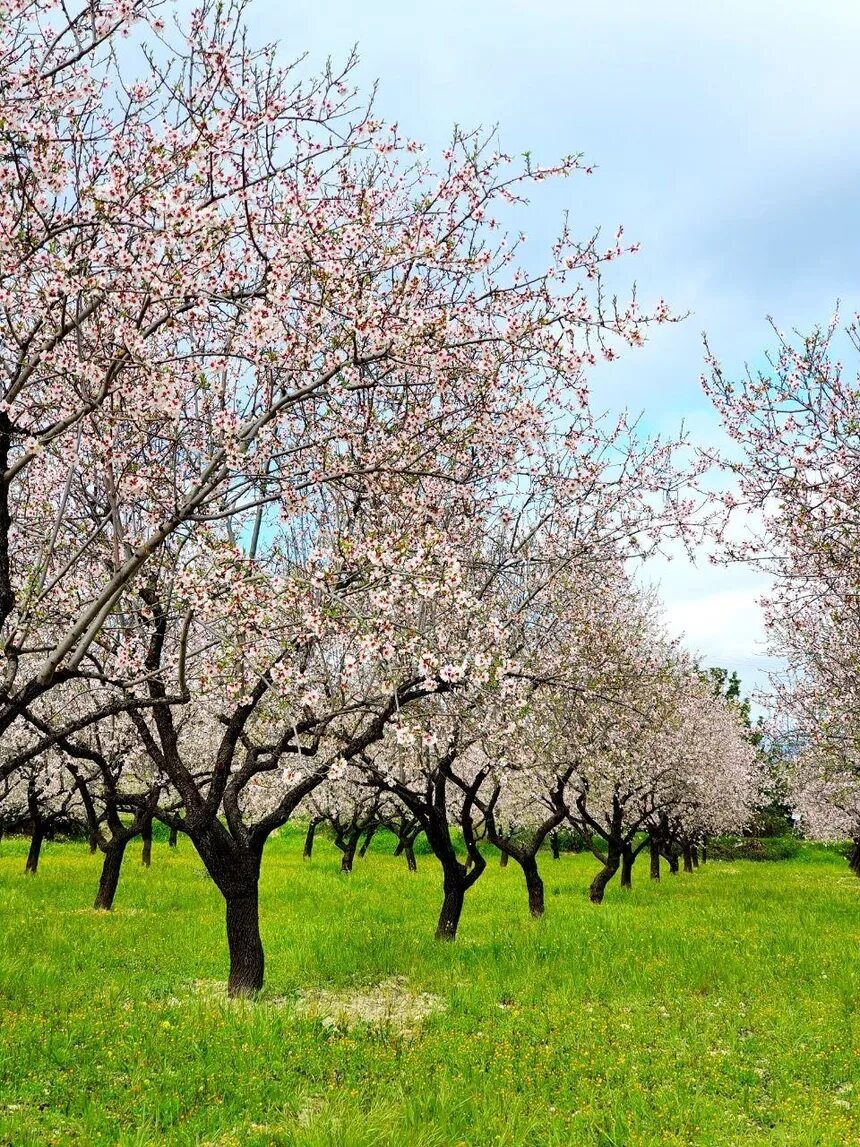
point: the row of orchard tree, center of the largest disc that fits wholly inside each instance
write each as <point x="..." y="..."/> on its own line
<point x="602" y="727"/>
<point x="303" y="499"/>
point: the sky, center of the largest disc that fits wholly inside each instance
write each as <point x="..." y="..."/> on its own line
<point x="725" y="138"/>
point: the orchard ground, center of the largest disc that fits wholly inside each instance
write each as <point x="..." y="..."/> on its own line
<point x="714" y="1008"/>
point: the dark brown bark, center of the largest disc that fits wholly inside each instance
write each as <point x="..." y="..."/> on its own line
<point x="348" y="857"/>
<point x="672" y="858"/>
<point x="432" y="817"/>
<point x="452" y="907"/>
<point x="146" y="837"/>
<point x="34" y="851"/>
<point x="694" y="855"/>
<point x="309" y="840"/>
<point x="173" y="838"/>
<point x="854" y="857"/>
<point x="553" y="844"/>
<point x="235" y="868"/>
<point x="534" y="885"/>
<point x="247" y="962"/>
<point x="94" y="843"/>
<point x="703" y="855"/>
<point x="503" y="860"/>
<point x="688" y="858"/>
<point x="654" y="850"/>
<point x="111" y="867"/>
<point x="627" y="858"/>
<point x="598" y="884"/>
<point x="410" y="857"/>
<point x="371" y="833"/>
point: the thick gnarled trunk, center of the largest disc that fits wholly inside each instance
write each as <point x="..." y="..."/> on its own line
<point x="452" y="908"/>
<point x="34" y="851"/>
<point x="534" y="886"/>
<point x="146" y="837"/>
<point x="371" y="833"/>
<point x="654" y="853"/>
<point x="348" y="846"/>
<point x="627" y="859"/>
<point x="599" y="883"/>
<point x="109" y="881"/>
<point x="235" y="868"/>
<point x="247" y="963"/>
<point x="308" y="850"/>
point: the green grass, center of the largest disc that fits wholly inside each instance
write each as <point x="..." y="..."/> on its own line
<point x="717" y="1008"/>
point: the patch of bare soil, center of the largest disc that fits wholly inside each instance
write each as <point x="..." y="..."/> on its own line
<point x="389" y="1003"/>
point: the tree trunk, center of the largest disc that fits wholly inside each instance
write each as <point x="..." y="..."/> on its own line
<point x="534" y="885"/>
<point x="146" y="837"/>
<point x="627" y="859"/>
<point x="598" y="884"/>
<point x="111" y="865"/>
<point x="688" y="858"/>
<point x="694" y="855"/>
<point x="553" y="844"/>
<point x="309" y="840"/>
<point x="704" y="851"/>
<point x="246" y="948"/>
<point x="94" y="843"/>
<point x="410" y="858"/>
<point x="673" y="863"/>
<point x="36" y="839"/>
<point x="348" y="855"/>
<point x="654" y="849"/>
<point x="173" y="838"/>
<point x="503" y="860"/>
<point x="854" y="857"/>
<point x="452" y="906"/>
<point x="401" y="845"/>
<point x="371" y="833"/>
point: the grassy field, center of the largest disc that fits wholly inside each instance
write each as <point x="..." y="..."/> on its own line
<point x="717" y="1008"/>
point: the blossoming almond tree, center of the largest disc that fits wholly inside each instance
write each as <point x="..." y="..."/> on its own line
<point x="795" y="465"/>
<point x="131" y="195"/>
<point x="216" y="279"/>
<point x="243" y="321"/>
